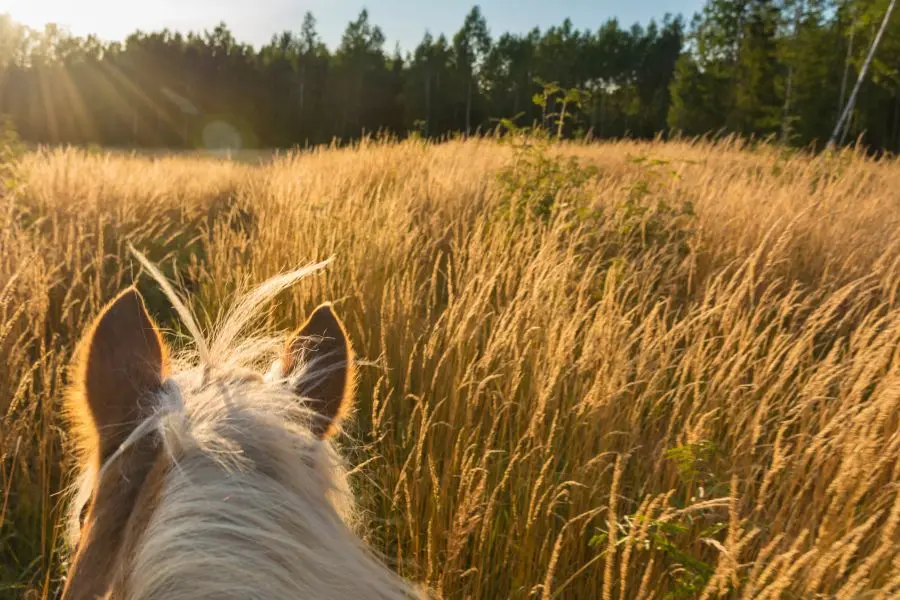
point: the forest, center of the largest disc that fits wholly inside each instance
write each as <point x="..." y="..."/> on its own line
<point x="781" y="68"/>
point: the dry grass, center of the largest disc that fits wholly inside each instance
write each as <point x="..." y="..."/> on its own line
<point x="628" y="402"/>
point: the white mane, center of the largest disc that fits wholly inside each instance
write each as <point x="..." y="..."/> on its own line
<point x="253" y="504"/>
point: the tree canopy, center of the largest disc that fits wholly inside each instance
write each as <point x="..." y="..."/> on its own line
<point x="754" y="67"/>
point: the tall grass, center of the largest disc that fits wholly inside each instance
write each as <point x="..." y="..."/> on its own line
<point x="682" y="381"/>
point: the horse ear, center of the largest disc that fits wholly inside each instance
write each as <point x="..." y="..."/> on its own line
<point x="321" y="348"/>
<point x="119" y="361"/>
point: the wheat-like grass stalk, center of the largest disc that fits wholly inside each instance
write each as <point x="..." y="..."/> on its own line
<point x="740" y="354"/>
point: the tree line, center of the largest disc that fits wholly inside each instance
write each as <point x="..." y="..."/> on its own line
<point x="754" y="67"/>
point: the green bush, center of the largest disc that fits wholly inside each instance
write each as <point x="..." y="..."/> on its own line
<point x="538" y="181"/>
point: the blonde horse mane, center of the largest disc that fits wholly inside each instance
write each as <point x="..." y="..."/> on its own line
<point x="252" y="504"/>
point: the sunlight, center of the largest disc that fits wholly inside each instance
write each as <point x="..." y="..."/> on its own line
<point x="108" y="19"/>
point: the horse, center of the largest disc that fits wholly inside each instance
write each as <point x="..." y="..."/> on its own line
<point x="204" y="474"/>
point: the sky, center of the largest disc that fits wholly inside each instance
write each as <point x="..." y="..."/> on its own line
<point x="402" y="21"/>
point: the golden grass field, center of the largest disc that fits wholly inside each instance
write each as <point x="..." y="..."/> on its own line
<point x="684" y="383"/>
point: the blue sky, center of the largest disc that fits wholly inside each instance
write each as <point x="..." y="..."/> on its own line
<point x="403" y="21"/>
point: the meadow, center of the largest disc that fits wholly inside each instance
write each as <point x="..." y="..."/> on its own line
<point x="617" y="370"/>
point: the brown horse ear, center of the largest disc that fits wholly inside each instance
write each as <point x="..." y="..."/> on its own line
<point x="120" y="360"/>
<point x="327" y="379"/>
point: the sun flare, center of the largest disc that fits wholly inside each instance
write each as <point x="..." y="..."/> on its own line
<point x="106" y="19"/>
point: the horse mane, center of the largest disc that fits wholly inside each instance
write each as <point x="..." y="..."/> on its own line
<point x="253" y="505"/>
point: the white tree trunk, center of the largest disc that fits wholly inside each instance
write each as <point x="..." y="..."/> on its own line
<point x="788" y="88"/>
<point x="428" y="104"/>
<point x="469" y="108"/>
<point x="839" y="126"/>
<point x="847" y="62"/>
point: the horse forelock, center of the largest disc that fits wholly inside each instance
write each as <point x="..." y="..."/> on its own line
<point x="236" y="496"/>
<point x="229" y="492"/>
